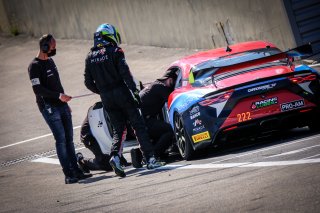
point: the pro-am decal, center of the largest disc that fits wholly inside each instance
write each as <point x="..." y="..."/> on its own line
<point x="264" y="87"/>
<point x="201" y="137"/>
<point x="292" y="105"/>
<point x="264" y="103"/>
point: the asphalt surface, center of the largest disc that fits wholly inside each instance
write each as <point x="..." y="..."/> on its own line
<point x="272" y="174"/>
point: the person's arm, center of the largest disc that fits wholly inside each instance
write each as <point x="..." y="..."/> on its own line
<point x="38" y="89"/>
<point x="124" y="70"/>
<point x="163" y="92"/>
<point x="88" y="80"/>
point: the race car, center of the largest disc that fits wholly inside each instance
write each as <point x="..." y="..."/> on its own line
<point x="241" y="91"/>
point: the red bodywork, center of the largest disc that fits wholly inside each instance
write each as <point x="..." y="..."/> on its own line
<point x="243" y="110"/>
<point x="185" y="64"/>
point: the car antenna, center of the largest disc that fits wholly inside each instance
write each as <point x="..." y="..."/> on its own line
<point x="228" y="49"/>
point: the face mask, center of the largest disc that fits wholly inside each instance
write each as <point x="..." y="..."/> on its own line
<point x="52" y="53"/>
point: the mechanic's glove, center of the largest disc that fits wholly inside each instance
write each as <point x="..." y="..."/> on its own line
<point x="137" y="99"/>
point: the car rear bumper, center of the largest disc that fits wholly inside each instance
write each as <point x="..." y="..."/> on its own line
<point x="268" y="125"/>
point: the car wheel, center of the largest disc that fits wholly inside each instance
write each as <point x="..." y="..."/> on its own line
<point x="184" y="145"/>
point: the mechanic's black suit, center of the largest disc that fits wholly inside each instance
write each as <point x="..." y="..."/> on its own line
<point x="153" y="98"/>
<point x="107" y="73"/>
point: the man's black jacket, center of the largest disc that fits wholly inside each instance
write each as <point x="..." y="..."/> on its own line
<point x="106" y="69"/>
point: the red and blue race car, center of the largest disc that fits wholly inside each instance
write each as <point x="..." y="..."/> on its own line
<point x="241" y="91"/>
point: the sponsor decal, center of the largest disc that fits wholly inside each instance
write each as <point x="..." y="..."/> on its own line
<point x="291" y="105"/>
<point x="200" y="137"/>
<point x="199" y="128"/>
<point x="35" y="81"/>
<point x="96" y="60"/>
<point x="194" y="115"/>
<point x="264" y="87"/>
<point x="194" y="112"/>
<point x="264" y="103"/>
<point x="197" y="122"/>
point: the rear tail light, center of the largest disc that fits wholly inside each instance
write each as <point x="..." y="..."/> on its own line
<point x="216" y="98"/>
<point x="302" y="79"/>
<point x="230" y="128"/>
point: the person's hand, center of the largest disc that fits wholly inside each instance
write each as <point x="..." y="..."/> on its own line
<point x="65" y="98"/>
<point x="137" y="98"/>
<point x="70" y="109"/>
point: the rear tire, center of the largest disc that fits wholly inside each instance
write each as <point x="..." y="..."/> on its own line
<point x="183" y="142"/>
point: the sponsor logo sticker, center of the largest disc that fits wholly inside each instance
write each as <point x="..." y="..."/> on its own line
<point x="201" y="137"/>
<point x="264" y="87"/>
<point x="35" y="81"/>
<point x="292" y="105"/>
<point x="264" y="103"/>
<point x="194" y="115"/>
<point x="194" y="112"/>
<point x="197" y="122"/>
<point x="197" y="129"/>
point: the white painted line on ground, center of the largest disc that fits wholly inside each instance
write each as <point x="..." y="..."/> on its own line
<point x="311" y="156"/>
<point x="212" y="166"/>
<point x="243" y="165"/>
<point x="265" y="149"/>
<point x="31" y="139"/>
<point x="293" y="152"/>
<point x="47" y="160"/>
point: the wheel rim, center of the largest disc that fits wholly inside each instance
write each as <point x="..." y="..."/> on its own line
<point x="180" y="136"/>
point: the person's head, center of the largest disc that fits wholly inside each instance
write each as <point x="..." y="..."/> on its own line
<point x="108" y="33"/>
<point x="47" y="45"/>
<point x="169" y="78"/>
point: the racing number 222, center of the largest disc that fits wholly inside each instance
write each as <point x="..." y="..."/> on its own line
<point x="245" y="116"/>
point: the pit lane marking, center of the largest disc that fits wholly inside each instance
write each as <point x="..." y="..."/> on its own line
<point x="31" y="139"/>
<point x="210" y="165"/>
<point x="268" y="148"/>
<point x="293" y="152"/>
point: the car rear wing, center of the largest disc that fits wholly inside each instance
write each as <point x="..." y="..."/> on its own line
<point x="297" y="53"/>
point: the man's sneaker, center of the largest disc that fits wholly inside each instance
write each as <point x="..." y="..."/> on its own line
<point x="136" y="158"/>
<point x="81" y="163"/>
<point x="153" y="163"/>
<point x="116" y="166"/>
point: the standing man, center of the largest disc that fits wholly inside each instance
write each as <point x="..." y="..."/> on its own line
<point x="153" y="97"/>
<point x="52" y="103"/>
<point x="107" y="73"/>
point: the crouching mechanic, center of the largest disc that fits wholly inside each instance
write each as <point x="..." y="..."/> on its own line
<point x="95" y="134"/>
<point x="153" y="97"/>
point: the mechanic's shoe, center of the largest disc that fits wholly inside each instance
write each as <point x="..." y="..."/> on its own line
<point x="136" y="158"/>
<point x="116" y="166"/>
<point x="80" y="175"/>
<point x="124" y="161"/>
<point x="153" y="163"/>
<point x="81" y="163"/>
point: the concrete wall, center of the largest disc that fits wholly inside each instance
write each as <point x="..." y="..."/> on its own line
<point x="166" y="23"/>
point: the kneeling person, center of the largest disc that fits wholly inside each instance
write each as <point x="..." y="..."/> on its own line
<point x="95" y="135"/>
